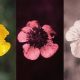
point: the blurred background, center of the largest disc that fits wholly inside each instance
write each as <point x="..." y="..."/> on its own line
<point x="8" y="61"/>
<point x="71" y="64"/>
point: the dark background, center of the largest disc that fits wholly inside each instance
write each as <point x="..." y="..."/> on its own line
<point x="46" y="12"/>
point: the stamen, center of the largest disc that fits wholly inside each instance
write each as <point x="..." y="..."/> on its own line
<point x="38" y="37"/>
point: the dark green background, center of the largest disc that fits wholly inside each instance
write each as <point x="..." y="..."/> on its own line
<point x="8" y="61"/>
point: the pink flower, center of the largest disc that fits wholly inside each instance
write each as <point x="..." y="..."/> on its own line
<point x="38" y="40"/>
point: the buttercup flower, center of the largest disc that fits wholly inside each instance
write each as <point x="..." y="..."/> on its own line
<point x="4" y="46"/>
<point x="38" y="40"/>
<point x="73" y="35"/>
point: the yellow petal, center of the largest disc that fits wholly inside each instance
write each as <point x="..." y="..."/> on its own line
<point x="3" y="31"/>
<point x="4" y="47"/>
<point x="2" y="40"/>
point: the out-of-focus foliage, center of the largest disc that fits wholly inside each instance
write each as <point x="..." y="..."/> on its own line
<point x="8" y="61"/>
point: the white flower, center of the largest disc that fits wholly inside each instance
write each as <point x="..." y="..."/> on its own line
<point x="73" y="35"/>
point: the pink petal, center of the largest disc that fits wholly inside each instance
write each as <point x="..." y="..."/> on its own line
<point x="26" y="29"/>
<point x="49" y="50"/>
<point x="50" y="37"/>
<point x="22" y="37"/>
<point x="32" y="53"/>
<point x="32" y="23"/>
<point x="48" y="29"/>
<point x="26" y="47"/>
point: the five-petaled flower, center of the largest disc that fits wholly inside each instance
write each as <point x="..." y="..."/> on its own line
<point x="73" y="35"/>
<point x="38" y="40"/>
<point x="4" y="46"/>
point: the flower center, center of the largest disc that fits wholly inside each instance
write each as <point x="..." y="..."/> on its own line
<point x="38" y="37"/>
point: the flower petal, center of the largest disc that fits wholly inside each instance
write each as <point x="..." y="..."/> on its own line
<point x="26" y="29"/>
<point x="75" y="48"/>
<point x="26" y="47"/>
<point x="22" y="37"/>
<point x="33" y="23"/>
<point x="3" y="31"/>
<point x="32" y="53"/>
<point x="2" y="40"/>
<point x="77" y="24"/>
<point x="4" y="47"/>
<point x="74" y="32"/>
<point x="49" y="49"/>
<point x="48" y="29"/>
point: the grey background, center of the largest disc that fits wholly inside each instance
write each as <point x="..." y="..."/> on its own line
<point x="71" y="64"/>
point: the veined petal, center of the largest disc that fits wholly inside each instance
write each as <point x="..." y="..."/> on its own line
<point x="4" y="47"/>
<point x="49" y="49"/>
<point x="72" y="34"/>
<point x="22" y="37"/>
<point x="3" y="31"/>
<point x="32" y="53"/>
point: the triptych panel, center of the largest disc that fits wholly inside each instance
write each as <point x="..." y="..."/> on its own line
<point x="39" y="40"/>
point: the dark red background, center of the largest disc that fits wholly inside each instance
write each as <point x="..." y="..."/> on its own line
<point x="46" y="12"/>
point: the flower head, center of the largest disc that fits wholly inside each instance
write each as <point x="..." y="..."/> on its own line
<point x="4" y="46"/>
<point x="38" y="40"/>
<point x="73" y="35"/>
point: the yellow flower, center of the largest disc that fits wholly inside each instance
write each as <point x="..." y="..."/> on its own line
<point x="4" y="46"/>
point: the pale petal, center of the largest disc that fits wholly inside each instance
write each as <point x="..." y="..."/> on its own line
<point x="77" y="23"/>
<point x="49" y="50"/>
<point x="74" y="32"/>
<point x="33" y="23"/>
<point x="32" y="53"/>
<point x="75" y="48"/>
<point x="22" y="37"/>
